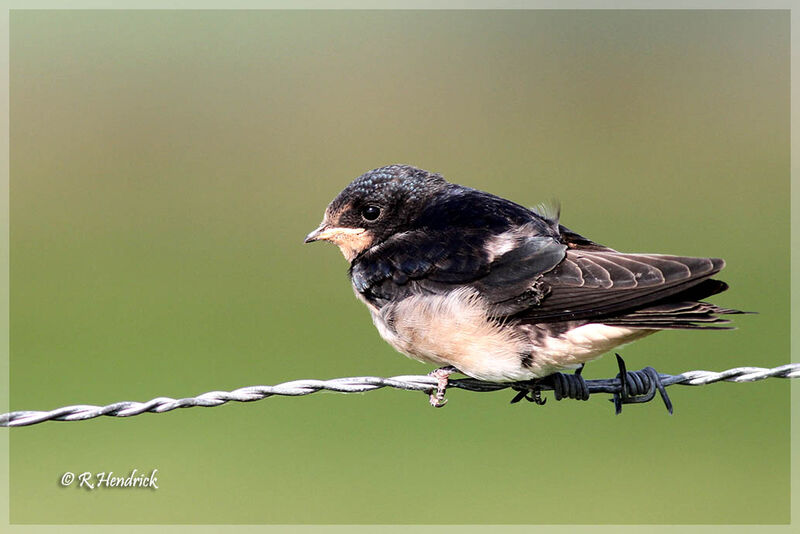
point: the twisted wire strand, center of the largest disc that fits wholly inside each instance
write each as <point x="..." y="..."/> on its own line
<point x="362" y="384"/>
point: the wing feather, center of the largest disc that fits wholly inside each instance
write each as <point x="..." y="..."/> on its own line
<point x="596" y="283"/>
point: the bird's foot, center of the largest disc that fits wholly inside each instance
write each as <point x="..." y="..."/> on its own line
<point x="564" y="387"/>
<point x="638" y="386"/>
<point x="531" y="392"/>
<point x="442" y="376"/>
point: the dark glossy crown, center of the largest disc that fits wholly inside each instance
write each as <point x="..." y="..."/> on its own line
<point x="390" y="182"/>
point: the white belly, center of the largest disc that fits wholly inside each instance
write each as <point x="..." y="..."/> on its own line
<point x="580" y="345"/>
<point x="454" y="330"/>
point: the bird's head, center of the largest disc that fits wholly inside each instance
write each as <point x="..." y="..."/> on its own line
<point x="375" y="206"/>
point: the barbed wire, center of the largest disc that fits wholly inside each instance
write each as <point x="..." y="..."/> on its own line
<point x="363" y="384"/>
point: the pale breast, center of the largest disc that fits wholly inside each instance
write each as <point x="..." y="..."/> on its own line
<point x="455" y="329"/>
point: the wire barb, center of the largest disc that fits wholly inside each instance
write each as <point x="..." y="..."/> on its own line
<point x="362" y="384"/>
<point x="638" y="386"/>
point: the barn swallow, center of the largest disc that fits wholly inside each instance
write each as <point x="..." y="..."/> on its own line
<point x="480" y="285"/>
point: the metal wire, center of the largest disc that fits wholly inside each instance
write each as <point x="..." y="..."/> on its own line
<point x="362" y="384"/>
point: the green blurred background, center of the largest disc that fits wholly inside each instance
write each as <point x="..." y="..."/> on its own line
<point x="165" y="167"/>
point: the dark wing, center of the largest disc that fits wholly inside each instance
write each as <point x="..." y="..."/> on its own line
<point x="542" y="280"/>
<point x="668" y="300"/>
<point x="464" y="237"/>
<point x="436" y="262"/>
<point x="593" y="284"/>
<point x="527" y="267"/>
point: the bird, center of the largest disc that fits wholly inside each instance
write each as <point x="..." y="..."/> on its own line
<point x="480" y="285"/>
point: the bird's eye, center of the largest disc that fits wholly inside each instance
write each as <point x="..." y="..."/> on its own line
<point x="370" y="213"/>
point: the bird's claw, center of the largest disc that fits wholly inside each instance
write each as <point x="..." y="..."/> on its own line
<point x="564" y="387"/>
<point x="442" y="376"/>
<point x="530" y="392"/>
<point x="638" y="386"/>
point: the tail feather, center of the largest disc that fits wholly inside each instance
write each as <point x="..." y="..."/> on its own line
<point x="683" y="311"/>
